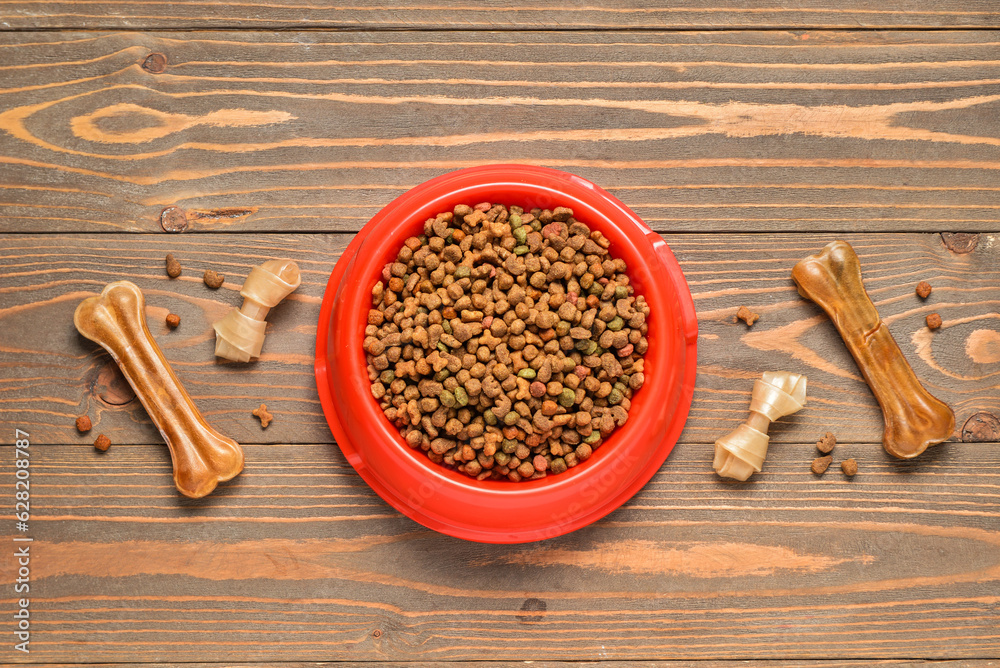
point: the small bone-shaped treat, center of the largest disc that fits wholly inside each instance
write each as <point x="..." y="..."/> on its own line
<point x="741" y="453"/>
<point x="201" y="456"/>
<point x="240" y="334"/>
<point x="914" y="419"/>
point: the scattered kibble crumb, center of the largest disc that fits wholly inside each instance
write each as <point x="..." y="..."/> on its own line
<point x="265" y="417"/>
<point x="83" y="424"/>
<point x="821" y="464"/>
<point x="849" y="467"/>
<point x="213" y="279"/>
<point x="102" y="443"/>
<point x="746" y="315"/>
<point x="933" y="321"/>
<point x="173" y="266"/>
<point x="827" y="443"/>
<point x="173" y="320"/>
<point x="923" y="289"/>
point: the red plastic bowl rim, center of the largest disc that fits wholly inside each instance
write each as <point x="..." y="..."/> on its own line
<point x="501" y="511"/>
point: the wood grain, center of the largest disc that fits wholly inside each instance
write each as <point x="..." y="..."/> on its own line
<point x="298" y="560"/>
<point x="316" y="131"/>
<point x="49" y="380"/>
<point x="464" y="15"/>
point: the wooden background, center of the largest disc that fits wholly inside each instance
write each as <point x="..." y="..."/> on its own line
<point x="230" y="133"/>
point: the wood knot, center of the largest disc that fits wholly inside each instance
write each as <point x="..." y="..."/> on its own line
<point x="376" y="633"/>
<point x="981" y="428"/>
<point x="960" y="243"/>
<point x="173" y="219"/>
<point x="110" y="386"/>
<point x="155" y="63"/>
<point x="532" y="610"/>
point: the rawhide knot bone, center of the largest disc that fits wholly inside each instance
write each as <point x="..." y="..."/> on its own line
<point x="240" y="334"/>
<point x="740" y="453"/>
<point x="914" y="419"/>
<point x="201" y="456"/>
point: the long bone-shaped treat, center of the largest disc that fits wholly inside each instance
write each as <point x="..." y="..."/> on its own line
<point x="914" y="418"/>
<point x="201" y="456"/>
<point x="740" y="453"/>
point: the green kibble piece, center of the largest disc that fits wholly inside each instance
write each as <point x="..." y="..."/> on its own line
<point x="596" y="289"/>
<point x="520" y="250"/>
<point x="621" y="292"/>
<point x="423" y="239"/>
<point x="566" y="398"/>
<point x="616" y="324"/>
<point x="511" y="417"/>
<point x="621" y="387"/>
<point x="586" y="346"/>
<point x="446" y="326"/>
<point x="441" y="375"/>
<point x="615" y="397"/>
<point x="422" y="309"/>
<point x="447" y="399"/>
<point x="528" y="373"/>
<point x="594" y="437"/>
<point x="490" y="417"/>
<point x="501" y="458"/>
<point x="562" y="328"/>
<point x="462" y="271"/>
<point x="508" y="446"/>
<point x="387" y="376"/>
<point x="442" y="347"/>
<point x="520" y="235"/>
<point x="515" y="220"/>
<point x="461" y="396"/>
<point x="536" y="225"/>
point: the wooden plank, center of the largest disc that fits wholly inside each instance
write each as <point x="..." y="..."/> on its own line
<point x="457" y="15"/>
<point x="311" y="131"/>
<point x="48" y="380"/>
<point x="298" y="560"/>
<point x="811" y="663"/>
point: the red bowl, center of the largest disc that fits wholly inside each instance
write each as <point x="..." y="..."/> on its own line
<point x="502" y="511"/>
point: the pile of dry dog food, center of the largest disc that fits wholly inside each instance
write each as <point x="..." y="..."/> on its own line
<point x="506" y="344"/>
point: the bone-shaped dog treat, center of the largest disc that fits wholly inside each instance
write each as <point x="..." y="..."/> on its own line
<point x="240" y="334"/>
<point x="116" y="321"/>
<point x="741" y="453"/>
<point x="914" y="419"/>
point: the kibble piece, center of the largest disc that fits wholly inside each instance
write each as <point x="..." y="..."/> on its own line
<point x="83" y="424"/>
<point x="746" y="315"/>
<point x="933" y="321"/>
<point x="173" y="266"/>
<point x="173" y="320"/>
<point x="265" y="417"/>
<point x="213" y="279"/>
<point x="102" y="443"/>
<point x="849" y="467"/>
<point x="923" y="289"/>
<point x="827" y="443"/>
<point x="821" y="464"/>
